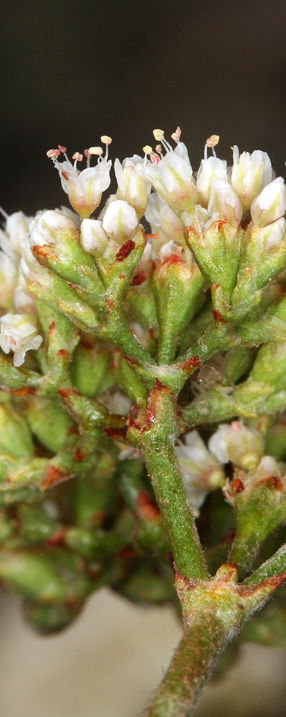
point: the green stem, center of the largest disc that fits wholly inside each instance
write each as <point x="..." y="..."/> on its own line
<point x="191" y="668"/>
<point x="276" y="565"/>
<point x="172" y="500"/>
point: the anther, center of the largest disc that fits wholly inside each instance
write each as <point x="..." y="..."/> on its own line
<point x="62" y="149"/>
<point x="176" y="136"/>
<point x="147" y="149"/>
<point x="95" y="150"/>
<point x="77" y="156"/>
<point x="213" y="140"/>
<point x="158" y="134"/>
<point x="106" y="139"/>
<point x="53" y="153"/>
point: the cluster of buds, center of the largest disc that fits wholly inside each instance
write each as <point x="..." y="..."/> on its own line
<point x="110" y="317"/>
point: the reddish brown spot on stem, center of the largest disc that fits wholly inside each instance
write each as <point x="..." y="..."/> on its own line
<point x="130" y="360"/>
<point x="66" y="392"/>
<point x="219" y="317"/>
<point x="116" y="433"/>
<point x="79" y="455"/>
<point x="52" y="477"/>
<point x="110" y="303"/>
<point x="51" y="327"/>
<point x="190" y="364"/>
<point x="22" y="391"/>
<point x="63" y="353"/>
<point x="125" y="250"/>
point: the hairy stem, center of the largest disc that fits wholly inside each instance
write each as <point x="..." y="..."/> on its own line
<point x="178" y="519"/>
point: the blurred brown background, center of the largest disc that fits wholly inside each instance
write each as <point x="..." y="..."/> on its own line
<point x="71" y="70"/>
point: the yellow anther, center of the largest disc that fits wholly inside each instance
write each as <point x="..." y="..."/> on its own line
<point x="95" y="150"/>
<point x="105" y="139"/>
<point x="158" y="134"/>
<point x="147" y="149"/>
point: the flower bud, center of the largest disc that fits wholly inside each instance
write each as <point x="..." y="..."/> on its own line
<point x="48" y="227"/>
<point x="273" y="233"/>
<point x="224" y="202"/>
<point x="211" y="169"/>
<point x="270" y="203"/>
<point x="243" y="446"/>
<point x="93" y="238"/>
<point x="120" y="221"/>
<point x="132" y="187"/>
<point x="19" y="334"/>
<point x="250" y="174"/>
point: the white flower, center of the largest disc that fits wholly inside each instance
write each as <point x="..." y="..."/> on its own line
<point x="164" y="221"/>
<point x="48" y="227"/>
<point x="201" y="471"/>
<point x="93" y="238"/>
<point x="172" y="177"/>
<point x="273" y="233"/>
<point x="8" y="280"/>
<point x="84" y="188"/>
<point x="19" y="334"/>
<point x="224" y="202"/>
<point x="17" y="227"/>
<point x="250" y="174"/>
<point x="270" y="203"/>
<point x="234" y="442"/>
<point x="211" y="169"/>
<point x="120" y="221"/>
<point x="132" y="186"/>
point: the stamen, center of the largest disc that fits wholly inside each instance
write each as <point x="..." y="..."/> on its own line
<point x="158" y="134"/>
<point x="4" y="214"/>
<point x="213" y="140"/>
<point x="176" y="136"/>
<point x="147" y="149"/>
<point x="63" y="151"/>
<point x="105" y="139"/>
<point x="88" y="156"/>
<point x="159" y="149"/>
<point x="95" y="150"/>
<point x="77" y="157"/>
<point x="155" y="158"/>
<point x="53" y="153"/>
